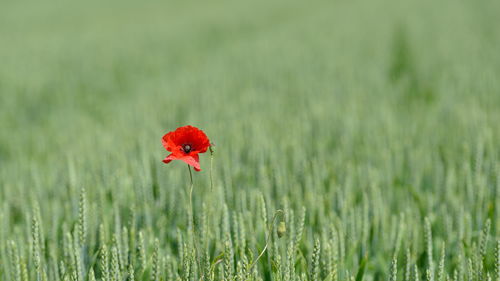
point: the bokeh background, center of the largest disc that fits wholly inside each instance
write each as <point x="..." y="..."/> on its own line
<point x="380" y="119"/>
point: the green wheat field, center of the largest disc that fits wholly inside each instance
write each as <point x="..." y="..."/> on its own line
<point x="354" y="140"/>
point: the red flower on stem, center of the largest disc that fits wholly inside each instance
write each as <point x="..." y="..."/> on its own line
<point x="186" y="143"/>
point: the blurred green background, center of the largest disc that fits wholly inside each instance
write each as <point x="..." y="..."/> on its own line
<point x="359" y="111"/>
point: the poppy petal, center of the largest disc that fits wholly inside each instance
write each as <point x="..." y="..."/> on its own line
<point x="193" y="160"/>
<point x="169" y="158"/>
<point x="185" y="143"/>
<point x="168" y="141"/>
<point x="165" y="143"/>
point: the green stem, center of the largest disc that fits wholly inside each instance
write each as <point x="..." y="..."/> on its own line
<point x="191" y="197"/>
<point x="211" y="165"/>
<point x="191" y="218"/>
<point x="269" y="234"/>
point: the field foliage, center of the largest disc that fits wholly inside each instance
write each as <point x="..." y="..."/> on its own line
<point x="365" y="133"/>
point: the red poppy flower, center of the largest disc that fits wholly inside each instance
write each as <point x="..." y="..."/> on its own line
<point x="185" y="143"/>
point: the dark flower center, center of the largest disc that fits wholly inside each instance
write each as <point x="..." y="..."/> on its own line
<point x="186" y="148"/>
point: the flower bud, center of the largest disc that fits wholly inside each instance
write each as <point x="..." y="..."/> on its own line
<point x="281" y="229"/>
